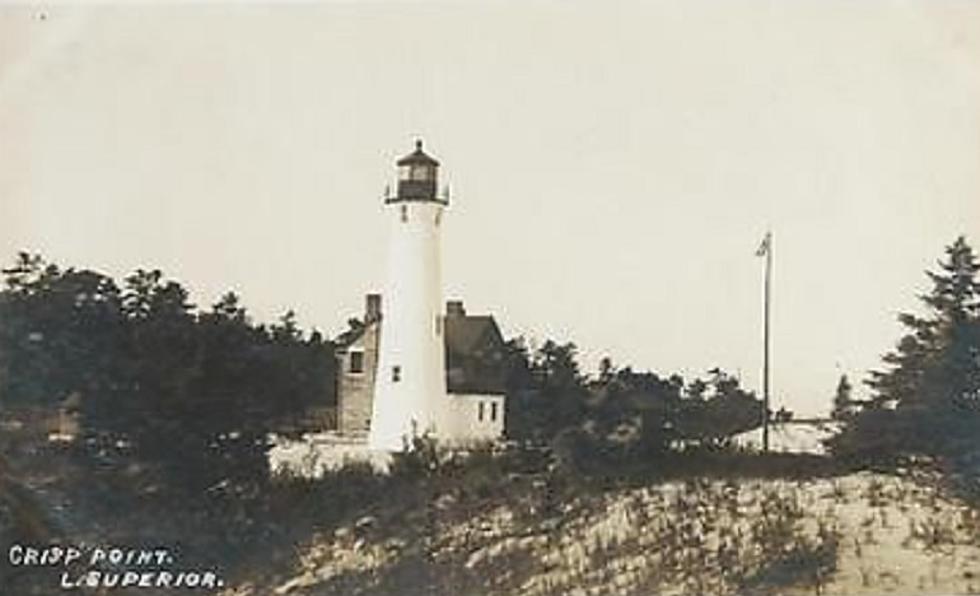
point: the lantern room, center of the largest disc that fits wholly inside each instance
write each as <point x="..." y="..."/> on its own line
<point x="418" y="177"/>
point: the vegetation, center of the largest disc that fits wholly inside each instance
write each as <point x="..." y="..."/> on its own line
<point x="926" y="401"/>
<point x="194" y="393"/>
<point x="177" y="404"/>
<point x="844" y="405"/>
<point x="621" y="415"/>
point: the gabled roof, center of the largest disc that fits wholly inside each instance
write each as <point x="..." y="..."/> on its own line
<point x="351" y="335"/>
<point x="475" y="359"/>
<point x="464" y="333"/>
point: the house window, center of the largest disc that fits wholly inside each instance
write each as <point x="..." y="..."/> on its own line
<point x="357" y="362"/>
<point x="493" y="412"/>
<point x="479" y="412"/>
<point x="396" y="373"/>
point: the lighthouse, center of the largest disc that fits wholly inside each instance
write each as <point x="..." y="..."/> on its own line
<point x="410" y="395"/>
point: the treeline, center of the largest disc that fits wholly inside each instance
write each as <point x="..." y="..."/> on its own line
<point x="191" y="393"/>
<point x="196" y="392"/>
<point x="619" y="415"/>
<point x="925" y="401"/>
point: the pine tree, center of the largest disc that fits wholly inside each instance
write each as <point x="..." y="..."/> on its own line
<point x="927" y="399"/>
<point x="935" y="364"/>
<point x="843" y="402"/>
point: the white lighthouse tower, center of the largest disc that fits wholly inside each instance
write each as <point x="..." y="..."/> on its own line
<point x="410" y="396"/>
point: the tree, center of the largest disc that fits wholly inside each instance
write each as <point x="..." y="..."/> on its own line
<point x="844" y="406"/>
<point x="59" y="332"/>
<point x="643" y="404"/>
<point x="927" y="398"/>
<point x="934" y="364"/>
<point x="194" y="394"/>
<point x="715" y="410"/>
<point x="620" y="412"/>
<point x="546" y="390"/>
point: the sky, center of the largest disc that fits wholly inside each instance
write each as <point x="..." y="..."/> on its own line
<point x="613" y="166"/>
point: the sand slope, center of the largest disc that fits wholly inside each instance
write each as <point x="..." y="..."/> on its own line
<point x="858" y="534"/>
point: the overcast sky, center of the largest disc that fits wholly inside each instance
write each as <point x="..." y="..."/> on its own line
<point x="613" y="165"/>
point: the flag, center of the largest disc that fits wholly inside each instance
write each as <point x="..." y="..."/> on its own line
<point x="763" y="249"/>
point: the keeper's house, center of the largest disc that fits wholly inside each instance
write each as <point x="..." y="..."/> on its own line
<point x="475" y="375"/>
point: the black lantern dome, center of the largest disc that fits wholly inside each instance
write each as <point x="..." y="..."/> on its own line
<point x="418" y="177"/>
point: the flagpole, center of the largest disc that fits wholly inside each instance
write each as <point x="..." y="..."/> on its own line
<point x="765" y="348"/>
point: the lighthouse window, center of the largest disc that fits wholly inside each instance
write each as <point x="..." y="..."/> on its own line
<point x="479" y="412"/>
<point x="357" y="362"/>
<point x="404" y="213"/>
<point x="493" y="412"/>
<point x="420" y="173"/>
<point x="396" y="373"/>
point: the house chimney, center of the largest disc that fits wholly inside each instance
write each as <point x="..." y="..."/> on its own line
<point x="372" y="308"/>
<point x="454" y="308"/>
